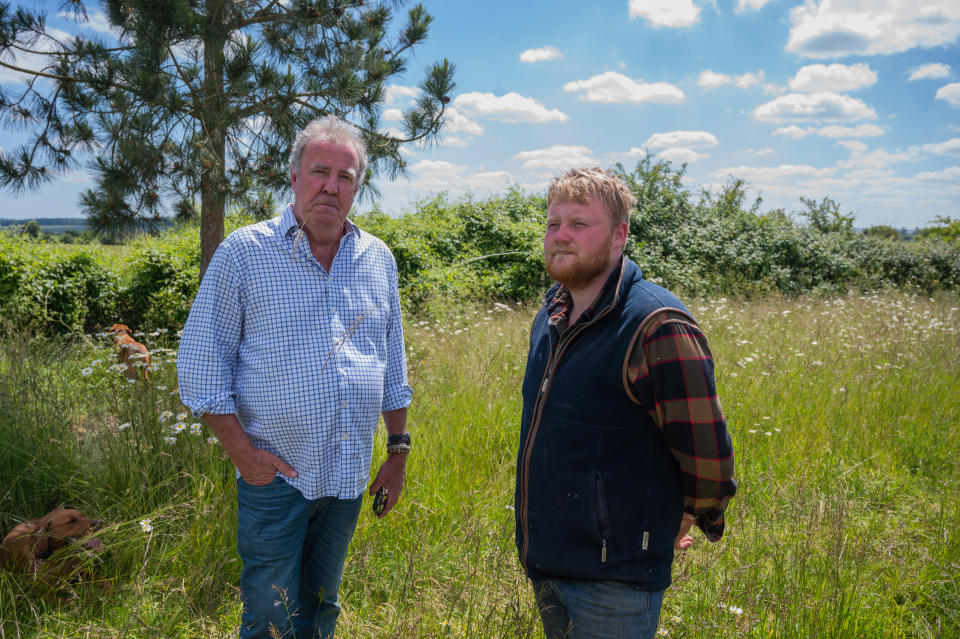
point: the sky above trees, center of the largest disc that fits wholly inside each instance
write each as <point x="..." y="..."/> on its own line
<point x="855" y="100"/>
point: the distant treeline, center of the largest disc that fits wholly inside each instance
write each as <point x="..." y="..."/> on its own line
<point x="72" y="230"/>
<point x="464" y="251"/>
<point x="49" y="222"/>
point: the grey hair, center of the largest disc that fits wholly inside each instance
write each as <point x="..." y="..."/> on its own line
<point x="330" y="128"/>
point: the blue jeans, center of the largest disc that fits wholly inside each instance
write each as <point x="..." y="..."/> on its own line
<point x="293" y="550"/>
<point x="597" y="609"/>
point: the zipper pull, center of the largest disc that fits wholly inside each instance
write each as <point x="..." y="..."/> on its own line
<point x="603" y="552"/>
<point x="546" y="380"/>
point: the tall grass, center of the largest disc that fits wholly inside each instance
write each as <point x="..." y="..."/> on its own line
<point x="844" y="414"/>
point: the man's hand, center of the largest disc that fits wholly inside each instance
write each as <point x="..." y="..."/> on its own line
<point x="260" y="467"/>
<point x="684" y="540"/>
<point x="391" y="475"/>
<point x="257" y="467"/>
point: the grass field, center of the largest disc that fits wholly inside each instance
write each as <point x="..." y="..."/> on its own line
<point x="845" y="417"/>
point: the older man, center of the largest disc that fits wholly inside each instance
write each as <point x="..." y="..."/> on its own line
<point x="292" y="350"/>
<point x="623" y="445"/>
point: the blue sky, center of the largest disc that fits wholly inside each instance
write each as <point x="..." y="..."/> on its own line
<point x="858" y="100"/>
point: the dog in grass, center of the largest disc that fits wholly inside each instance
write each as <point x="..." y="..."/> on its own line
<point x="50" y="545"/>
<point x="131" y="352"/>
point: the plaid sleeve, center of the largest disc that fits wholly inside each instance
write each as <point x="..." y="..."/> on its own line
<point x="670" y="372"/>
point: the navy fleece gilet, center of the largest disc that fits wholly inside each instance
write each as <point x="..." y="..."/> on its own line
<point x="598" y="492"/>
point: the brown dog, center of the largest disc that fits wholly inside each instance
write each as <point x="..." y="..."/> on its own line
<point x="131" y="352"/>
<point x="29" y="544"/>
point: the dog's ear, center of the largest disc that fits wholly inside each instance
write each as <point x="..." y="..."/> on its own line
<point x="121" y="328"/>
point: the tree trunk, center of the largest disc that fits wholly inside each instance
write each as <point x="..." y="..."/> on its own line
<point x="212" y="115"/>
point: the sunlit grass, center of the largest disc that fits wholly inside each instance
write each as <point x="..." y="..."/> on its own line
<point x="844" y="414"/>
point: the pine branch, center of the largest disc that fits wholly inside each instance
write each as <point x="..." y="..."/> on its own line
<point x="32" y="72"/>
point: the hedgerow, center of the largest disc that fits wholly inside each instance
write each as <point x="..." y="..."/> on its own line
<point x="491" y="249"/>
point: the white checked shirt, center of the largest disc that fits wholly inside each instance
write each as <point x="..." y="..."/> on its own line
<point x="306" y="359"/>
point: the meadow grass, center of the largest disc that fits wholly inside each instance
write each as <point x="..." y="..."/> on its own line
<point x="844" y="414"/>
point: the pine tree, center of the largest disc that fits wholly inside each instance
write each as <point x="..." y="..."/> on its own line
<point x="203" y="99"/>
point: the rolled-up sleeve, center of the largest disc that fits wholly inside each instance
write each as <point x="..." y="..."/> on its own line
<point x="207" y="356"/>
<point x="396" y="391"/>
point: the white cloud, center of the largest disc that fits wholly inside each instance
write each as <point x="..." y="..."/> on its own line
<point x="556" y="158"/>
<point x="794" y="131"/>
<point x="392" y="115"/>
<point x="679" y="155"/>
<point x="950" y="176"/>
<point x="666" y="13"/>
<point x="835" y="78"/>
<point x="859" y="131"/>
<point x="950" y="93"/>
<point x="838" y="28"/>
<point x="396" y="93"/>
<point x="459" y="123"/>
<point x="441" y="176"/>
<point x="832" y="131"/>
<point x="77" y="176"/>
<point x="762" y="174"/>
<point x="750" y="5"/>
<point x="615" y="87"/>
<point x="95" y="21"/>
<point x="803" y="107"/>
<point x="854" y="146"/>
<point x="685" y="139"/>
<point x="861" y="158"/>
<point x="710" y="79"/>
<point x="950" y="147"/>
<point x="31" y="61"/>
<point x="455" y="140"/>
<point x="511" y="107"/>
<point x="748" y="80"/>
<point x="542" y="54"/>
<point x="932" y="71"/>
<point x="762" y="152"/>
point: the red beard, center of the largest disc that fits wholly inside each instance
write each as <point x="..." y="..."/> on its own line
<point x="577" y="271"/>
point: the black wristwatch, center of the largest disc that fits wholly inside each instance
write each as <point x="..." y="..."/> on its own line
<point x="398" y="444"/>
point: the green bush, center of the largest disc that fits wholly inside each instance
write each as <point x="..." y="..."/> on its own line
<point x="476" y="250"/>
<point x="164" y="276"/>
<point x="54" y="293"/>
<point x="492" y="249"/>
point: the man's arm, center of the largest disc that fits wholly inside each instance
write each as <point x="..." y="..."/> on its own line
<point x="396" y="398"/>
<point x="206" y="364"/>
<point x="393" y="471"/>
<point x="257" y="467"/>
<point x="670" y="372"/>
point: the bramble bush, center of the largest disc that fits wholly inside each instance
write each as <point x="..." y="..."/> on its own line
<point x="469" y="250"/>
<point x="491" y="249"/>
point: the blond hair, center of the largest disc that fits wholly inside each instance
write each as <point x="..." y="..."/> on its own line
<point x="580" y="185"/>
